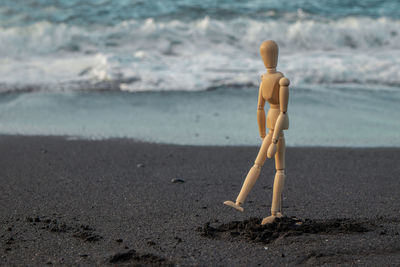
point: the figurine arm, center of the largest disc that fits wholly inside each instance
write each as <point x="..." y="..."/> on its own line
<point x="282" y="118"/>
<point x="261" y="113"/>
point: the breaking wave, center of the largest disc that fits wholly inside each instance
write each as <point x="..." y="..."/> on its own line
<point x="147" y="55"/>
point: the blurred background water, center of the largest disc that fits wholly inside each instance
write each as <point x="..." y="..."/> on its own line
<point x="188" y="71"/>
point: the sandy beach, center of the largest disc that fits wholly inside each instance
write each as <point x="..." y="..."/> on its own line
<point x="121" y="202"/>
<point x="125" y="126"/>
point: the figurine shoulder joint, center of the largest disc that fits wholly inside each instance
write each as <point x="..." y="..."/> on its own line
<point x="284" y="81"/>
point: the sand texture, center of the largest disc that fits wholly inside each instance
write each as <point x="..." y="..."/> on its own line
<point x="126" y="203"/>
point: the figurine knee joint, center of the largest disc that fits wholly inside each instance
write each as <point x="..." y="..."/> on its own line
<point x="259" y="163"/>
<point x="256" y="165"/>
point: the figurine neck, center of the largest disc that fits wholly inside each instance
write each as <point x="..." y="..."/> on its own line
<point x="271" y="70"/>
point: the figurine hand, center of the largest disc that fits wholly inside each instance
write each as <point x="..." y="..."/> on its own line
<point x="271" y="150"/>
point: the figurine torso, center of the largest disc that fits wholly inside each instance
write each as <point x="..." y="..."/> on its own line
<point x="270" y="92"/>
<point x="270" y="87"/>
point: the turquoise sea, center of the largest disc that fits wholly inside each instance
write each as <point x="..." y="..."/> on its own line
<point x="187" y="71"/>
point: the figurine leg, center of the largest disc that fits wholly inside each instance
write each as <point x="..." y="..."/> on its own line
<point x="253" y="174"/>
<point x="279" y="182"/>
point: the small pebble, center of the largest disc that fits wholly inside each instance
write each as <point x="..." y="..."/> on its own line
<point x="177" y="180"/>
<point x="140" y="165"/>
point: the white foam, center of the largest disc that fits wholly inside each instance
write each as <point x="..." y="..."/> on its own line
<point x="176" y="55"/>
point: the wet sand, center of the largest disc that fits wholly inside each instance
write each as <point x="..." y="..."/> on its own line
<point x="120" y="202"/>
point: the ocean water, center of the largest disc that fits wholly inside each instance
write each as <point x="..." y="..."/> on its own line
<point x="188" y="71"/>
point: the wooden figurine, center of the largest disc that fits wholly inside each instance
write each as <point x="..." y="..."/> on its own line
<point x="274" y="89"/>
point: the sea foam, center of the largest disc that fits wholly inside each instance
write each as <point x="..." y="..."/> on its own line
<point x="207" y="53"/>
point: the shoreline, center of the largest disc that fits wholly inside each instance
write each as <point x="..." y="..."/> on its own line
<point x="112" y="202"/>
<point x="221" y="117"/>
<point x="73" y="138"/>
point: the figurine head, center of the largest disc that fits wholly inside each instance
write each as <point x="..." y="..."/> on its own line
<point x="269" y="53"/>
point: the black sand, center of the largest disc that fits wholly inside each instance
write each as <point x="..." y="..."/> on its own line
<point x="115" y="203"/>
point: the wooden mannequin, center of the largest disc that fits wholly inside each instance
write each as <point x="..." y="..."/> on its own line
<point x="273" y="89"/>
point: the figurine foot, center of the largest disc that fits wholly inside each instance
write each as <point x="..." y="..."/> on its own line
<point x="233" y="205"/>
<point x="271" y="219"/>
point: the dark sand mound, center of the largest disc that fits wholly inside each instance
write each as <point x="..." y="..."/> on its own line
<point x="65" y="229"/>
<point x="83" y="232"/>
<point x="252" y="230"/>
<point x="132" y="258"/>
